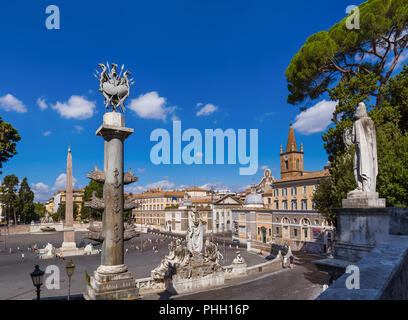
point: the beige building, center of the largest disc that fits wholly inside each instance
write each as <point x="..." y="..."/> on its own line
<point x="152" y="205"/>
<point x="287" y="214"/>
<point x="59" y="198"/>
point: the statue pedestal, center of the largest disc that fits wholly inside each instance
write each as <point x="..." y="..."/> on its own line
<point x="361" y="199"/>
<point x="198" y="274"/>
<point x="359" y="230"/>
<point x="111" y="283"/>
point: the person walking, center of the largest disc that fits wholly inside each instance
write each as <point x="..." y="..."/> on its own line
<point x="291" y="260"/>
<point x="22" y="257"/>
<point x="285" y="261"/>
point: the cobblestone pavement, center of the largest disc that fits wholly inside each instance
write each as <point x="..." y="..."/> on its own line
<point x="15" y="281"/>
<point x="304" y="282"/>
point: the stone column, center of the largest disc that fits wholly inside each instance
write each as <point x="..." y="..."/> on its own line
<point x="69" y="234"/>
<point x="114" y="133"/>
<point x="112" y="280"/>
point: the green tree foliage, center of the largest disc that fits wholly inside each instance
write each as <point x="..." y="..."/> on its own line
<point x="354" y="66"/>
<point x="26" y="209"/>
<point x="60" y="214"/>
<point x="9" y="196"/>
<point x="39" y="209"/>
<point x="86" y="212"/>
<point x="342" y="54"/>
<point x="8" y="138"/>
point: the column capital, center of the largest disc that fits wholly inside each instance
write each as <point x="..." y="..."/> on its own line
<point x="108" y="132"/>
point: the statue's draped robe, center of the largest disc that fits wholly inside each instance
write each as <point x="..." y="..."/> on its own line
<point x="365" y="159"/>
<point x="195" y="235"/>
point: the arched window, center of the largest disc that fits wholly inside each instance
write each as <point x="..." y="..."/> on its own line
<point x="285" y="220"/>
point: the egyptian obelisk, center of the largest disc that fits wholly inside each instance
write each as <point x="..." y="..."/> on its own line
<point x="69" y="235"/>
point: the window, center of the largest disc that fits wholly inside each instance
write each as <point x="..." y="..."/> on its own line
<point x="293" y="191"/>
<point x="304" y="204"/>
<point x="284" y="192"/>
<point x="270" y="232"/>
<point x="286" y="165"/>
<point x="304" y="190"/>
<point x="295" y="232"/>
<point x="276" y="192"/>
<point x="295" y="221"/>
<point x="297" y="164"/>
<point x="285" y="204"/>
<point x="305" y="232"/>
<point x="315" y="187"/>
<point x="277" y="204"/>
<point x="259" y="230"/>
<point x="294" y="205"/>
<point x="313" y="205"/>
<point x="277" y="229"/>
<point x="269" y="200"/>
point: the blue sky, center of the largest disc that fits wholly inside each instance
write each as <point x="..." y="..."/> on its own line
<point x="227" y="56"/>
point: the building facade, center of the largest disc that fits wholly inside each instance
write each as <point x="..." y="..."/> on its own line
<point x="287" y="215"/>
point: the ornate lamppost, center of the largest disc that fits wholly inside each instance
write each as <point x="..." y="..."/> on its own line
<point x="70" y="268"/>
<point x="37" y="277"/>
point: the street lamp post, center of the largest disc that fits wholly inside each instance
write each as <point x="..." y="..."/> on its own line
<point x="70" y="268"/>
<point x="37" y="277"/>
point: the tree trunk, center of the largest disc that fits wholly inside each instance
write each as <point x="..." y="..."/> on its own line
<point x="15" y="217"/>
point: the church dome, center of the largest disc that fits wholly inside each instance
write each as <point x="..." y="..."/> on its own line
<point x="254" y="199"/>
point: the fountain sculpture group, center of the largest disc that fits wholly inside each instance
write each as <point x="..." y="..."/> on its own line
<point x="186" y="268"/>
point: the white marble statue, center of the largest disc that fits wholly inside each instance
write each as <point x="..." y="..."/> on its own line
<point x="365" y="159"/>
<point x="195" y="232"/>
<point x="238" y="259"/>
<point x="88" y="249"/>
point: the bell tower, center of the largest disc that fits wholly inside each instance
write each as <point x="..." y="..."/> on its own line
<point x="291" y="159"/>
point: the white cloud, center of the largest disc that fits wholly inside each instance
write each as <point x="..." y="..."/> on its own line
<point x="134" y="189"/>
<point x="402" y="59"/>
<point x="47" y="133"/>
<point x="77" y="107"/>
<point x="151" y="106"/>
<point x="316" y="118"/>
<point x="218" y="185"/>
<point x="206" y="110"/>
<point x="79" y="128"/>
<point x="41" y="103"/>
<point x="263" y="116"/>
<point x="163" y="184"/>
<point x="41" y="191"/>
<point x="11" y="103"/>
<point x="61" y="182"/>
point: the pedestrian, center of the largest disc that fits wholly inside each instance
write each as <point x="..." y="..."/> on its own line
<point x="22" y="257"/>
<point x="126" y="251"/>
<point x="285" y="261"/>
<point x="291" y="259"/>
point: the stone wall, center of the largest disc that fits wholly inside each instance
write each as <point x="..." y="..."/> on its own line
<point x="383" y="274"/>
<point x="398" y="220"/>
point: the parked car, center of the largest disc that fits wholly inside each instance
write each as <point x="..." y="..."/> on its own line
<point x="236" y="241"/>
<point x="270" y="257"/>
